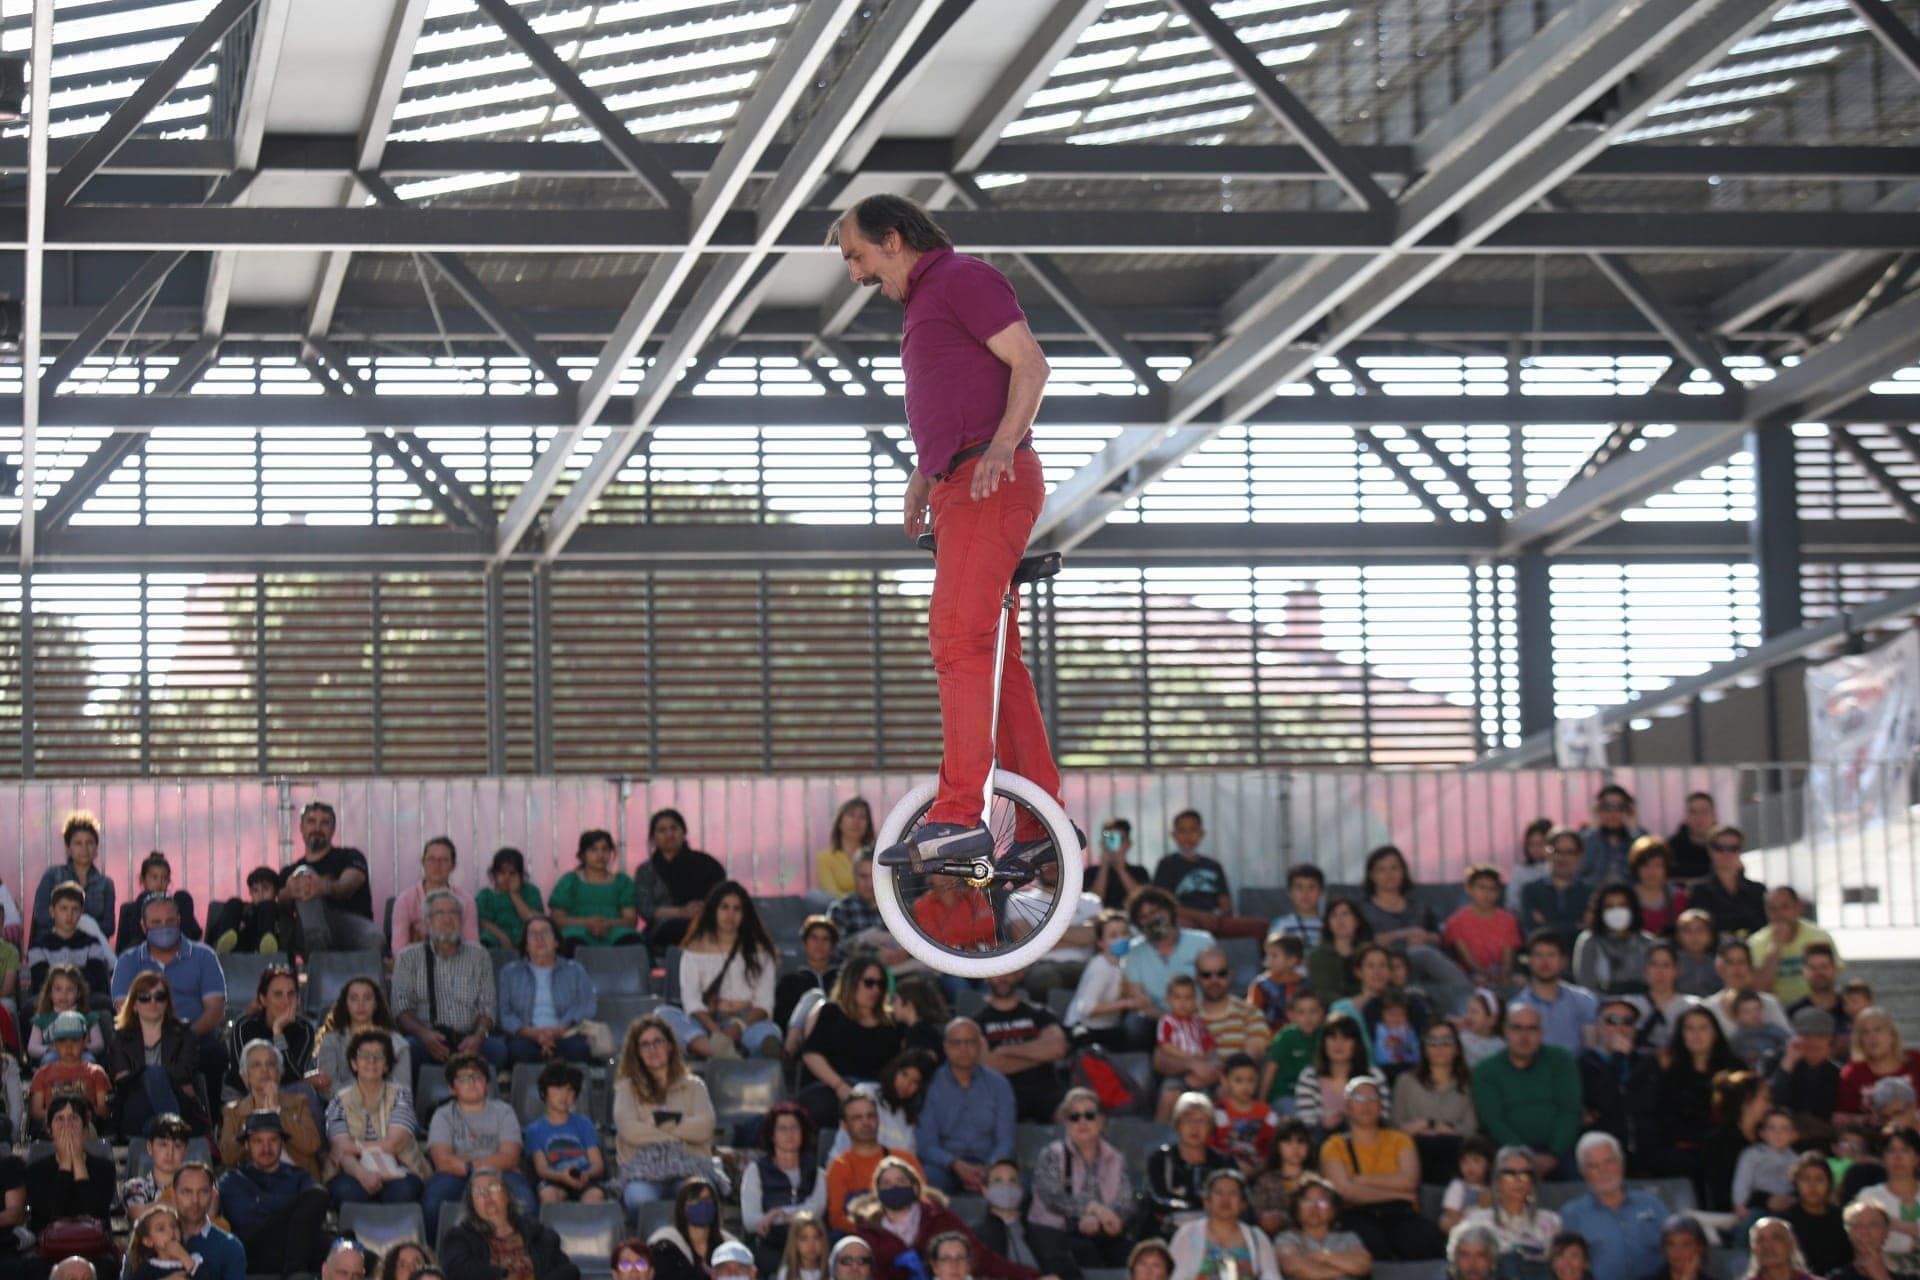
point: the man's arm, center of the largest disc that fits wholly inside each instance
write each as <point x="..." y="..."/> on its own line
<point x="1016" y="348"/>
<point x="213" y="1013"/>
<point x="1049" y="1046"/>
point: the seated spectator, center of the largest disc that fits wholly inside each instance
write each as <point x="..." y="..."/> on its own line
<point x="1220" y="1243"/>
<point x="852" y="836"/>
<point x="1649" y="871"/>
<point x="1483" y="936"/>
<point x="921" y="1012"/>
<point x="276" y="1019"/>
<point x="688" y="1247"/>
<point x="1558" y="900"/>
<point x="1622" y="1226"/>
<point x="1523" y="1230"/>
<point x="1401" y="921"/>
<point x="1610" y="956"/>
<point x="1877" y="1054"/>
<point x="166" y="1156"/>
<point x="1291" y="1050"/>
<point x="68" y="1072"/>
<point x="1313" y="1250"/>
<point x="1472" y="1187"/>
<point x="1183" y="1050"/>
<point x="1617" y="1077"/>
<point x="1376" y="1171"/>
<point x="1805" y="1079"/>
<point x="805" y="1257"/>
<point x="1899" y="1197"/>
<point x="784" y="1181"/>
<point x="1820" y="970"/>
<point x="1003" y="1227"/>
<point x="1081" y="1193"/>
<point x="1698" y="954"/>
<point x="1869" y="1228"/>
<point x="1567" y="1012"/>
<point x="472" y="1131"/>
<point x="727" y="967"/>
<point x="447" y="1009"/>
<point x="1815" y="1217"/>
<point x="255" y="925"/>
<point x="1393" y="1018"/>
<point x="1736" y="904"/>
<point x="1285" y="973"/>
<point x="346" y="1260"/>
<point x="1289" y="1162"/>
<point x="852" y="1038"/>
<point x="371" y="1128"/>
<point x="1691" y="858"/>
<point x="1482" y="1027"/>
<point x="156" y="880"/>
<point x="194" y="977"/>
<point x="1775" y="1253"/>
<point x="1569" y="1258"/>
<point x="1177" y="1171"/>
<point x="1306" y="885"/>
<point x="1684" y="1248"/>
<point x="1763" y="1175"/>
<point x="1320" y="1094"/>
<point x="1198" y="884"/>
<point x="968" y="1119"/>
<point x="80" y="868"/>
<point x="1244" y="1126"/>
<point x="673" y="882"/>
<point x="1663" y="1002"/>
<point x="360" y="1006"/>
<point x="438" y="858"/>
<point x="1025" y="1043"/>
<point x="154" y="1248"/>
<point x="1236" y="1026"/>
<point x="850" y="1173"/>
<point x="1164" y="950"/>
<point x="595" y="904"/>
<point x="1754" y="1039"/>
<point x="544" y="998"/>
<point x="1606" y="841"/>
<point x="299" y="1126"/>
<point x="857" y="916"/>
<point x="1735" y="967"/>
<point x="1472" y="1253"/>
<point x="508" y="902"/>
<point x="903" y="1215"/>
<point x="850" y="1259"/>
<point x="663" y="1118"/>
<point x="1683" y="1096"/>
<point x="496" y="1240"/>
<point x="1433" y="1103"/>
<point x="1740" y="1105"/>
<point x="71" y="1184"/>
<point x="276" y="1210"/>
<point x="154" y="1061"/>
<point x="63" y="942"/>
<point x="207" y="1238"/>
<point x="797" y="990"/>
<point x="901" y="1095"/>
<point x="1113" y="878"/>
<point x="563" y="1145"/>
<point x="1105" y="996"/>
<point x="1529" y="1096"/>
<point x="325" y="891"/>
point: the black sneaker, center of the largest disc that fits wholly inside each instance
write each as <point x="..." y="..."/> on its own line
<point x="935" y="844"/>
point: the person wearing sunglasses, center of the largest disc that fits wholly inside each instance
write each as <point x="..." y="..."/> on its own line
<point x="1433" y="1103"/>
<point x="153" y="1060"/>
<point x="1618" y="1076"/>
<point x="1610" y="836"/>
<point x="1522" y="1228"/>
<point x="851" y="1259"/>
<point x="1737" y="904"/>
<point x="1082" y="1193"/>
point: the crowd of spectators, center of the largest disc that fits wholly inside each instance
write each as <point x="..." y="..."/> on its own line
<point x="1611" y="1057"/>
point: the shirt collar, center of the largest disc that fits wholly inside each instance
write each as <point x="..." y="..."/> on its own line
<point x="928" y="261"/>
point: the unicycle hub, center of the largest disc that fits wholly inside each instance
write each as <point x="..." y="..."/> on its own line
<point x="980" y="873"/>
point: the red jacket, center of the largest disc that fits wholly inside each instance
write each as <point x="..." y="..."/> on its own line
<point x="934" y="1219"/>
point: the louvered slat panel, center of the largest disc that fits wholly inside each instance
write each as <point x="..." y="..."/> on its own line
<point x="601" y="705"/>
<point x="433" y="674"/>
<point x="320" y="686"/>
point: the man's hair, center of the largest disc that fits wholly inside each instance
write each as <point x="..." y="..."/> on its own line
<point x="438" y="896"/>
<point x="1302" y="992"/>
<point x="1289" y="944"/>
<point x="258" y="874"/>
<point x="200" y="1165"/>
<point x="1306" y="871"/>
<point x="1184" y="814"/>
<point x="1151" y="894"/>
<point x="319" y="806"/>
<point x="1185" y="982"/>
<point x="77" y="821"/>
<point x="1237" y="1061"/>
<point x="559" y="1074"/>
<point x="1121" y="825"/>
<point x="1547" y="938"/>
<point x="1746" y="995"/>
<point x="1734" y="946"/>
<point x="460" y="1062"/>
<point x="878" y="214"/>
<point x="1592" y="1142"/>
<point x="1700" y="795"/>
<point x="1820" y="949"/>
<point x="1726" y="829"/>
<point x="68" y="889"/>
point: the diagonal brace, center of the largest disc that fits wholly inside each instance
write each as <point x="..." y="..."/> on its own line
<point x="1878" y="472"/>
<point x="1886" y="25"/>
<point x="89" y="476"/>
<point x="147" y="278"/>
<point x="1369" y="442"/>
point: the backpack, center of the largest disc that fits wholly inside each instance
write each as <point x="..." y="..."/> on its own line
<point x="1117" y="1091"/>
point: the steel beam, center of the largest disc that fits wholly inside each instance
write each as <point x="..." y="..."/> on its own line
<point x="89" y="476"/>
<point x="140" y="286"/>
<point x="39" y="108"/>
<point x="639" y="157"/>
<point x="1878" y="472"/>
<point x="1775" y="531"/>
<point x="1695" y="348"/>
<point x="1001" y="105"/>
<point x="1370" y="442"/>
<point x="249" y="136"/>
<point x="189" y="366"/>
<point x="1802" y="277"/>
<point x="1886" y="25"/>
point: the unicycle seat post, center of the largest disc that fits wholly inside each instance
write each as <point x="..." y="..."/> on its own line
<point x="993" y="722"/>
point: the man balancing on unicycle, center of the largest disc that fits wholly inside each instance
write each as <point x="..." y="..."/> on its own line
<point x="974" y="379"/>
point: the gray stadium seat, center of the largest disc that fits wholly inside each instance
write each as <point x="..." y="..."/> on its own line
<point x="1435" y="1270"/>
<point x="1431" y="1195"/>
<point x="242" y="971"/>
<point x="587" y="1233"/>
<point x="971" y="1210"/>
<point x="652" y="1216"/>
<point x="433" y="1091"/>
<point x="1244" y="958"/>
<point x="670" y="977"/>
<point x="782" y="914"/>
<point x="1264" y="901"/>
<point x="380" y="1227"/>
<point x="1442" y="899"/>
<point x="1103" y="1273"/>
<point x="825" y="1145"/>
<point x="1135" y="1138"/>
<point x="969" y="1001"/>
<point x="1138" y="1067"/>
<point x="743" y="1090"/>
<point x="1341" y="891"/>
<point x="1028" y="1140"/>
<point x="524" y="1093"/>
<point x="328" y="971"/>
<point x="621" y="1011"/>
<point x="139" y="1160"/>
<point x="616" y="971"/>
<point x="1058" y="999"/>
<point x="1728" y="1262"/>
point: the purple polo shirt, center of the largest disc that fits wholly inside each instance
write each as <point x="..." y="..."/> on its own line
<point x="956" y="387"/>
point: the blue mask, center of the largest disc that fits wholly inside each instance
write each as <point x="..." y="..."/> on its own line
<point x="1118" y="947"/>
<point x="897" y="1198"/>
<point x="702" y="1213"/>
<point x="166" y="937"/>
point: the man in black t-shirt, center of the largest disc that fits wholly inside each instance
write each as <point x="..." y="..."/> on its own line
<point x="1113" y="878"/>
<point x="328" y="891"/>
<point x="672" y="883"/>
<point x="1026" y="1044"/>
<point x="1199" y="884"/>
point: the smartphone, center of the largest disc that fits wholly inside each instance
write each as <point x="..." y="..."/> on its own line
<point x="666" y="1117"/>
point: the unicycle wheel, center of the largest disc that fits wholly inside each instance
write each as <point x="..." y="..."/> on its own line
<point x="990" y="916"/>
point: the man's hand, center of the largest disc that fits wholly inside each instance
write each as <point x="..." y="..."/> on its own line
<point x="995" y="465"/>
<point x="436" y="1045"/>
<point x="914" y="506"/>
<point x="472" y="1041"/>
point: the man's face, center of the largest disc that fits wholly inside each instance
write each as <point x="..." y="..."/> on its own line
<point x="863" y="881"/>
<point x="1215" y="975"/>
<point x="66" y="914"/>
<point x="1121" y="842"/>
<point x="436" y="863"/>
<point x="193" y="1197"/>
<point x="1617" y="1024"/>
<point x="1736" y="968"/>
<point x="1602" y="1170"/>
<point x="1816" y="1048"/>
<point x="963" y="1046"/>
<point x="1005" y="986"/>
<point x="862" y="1119"/>
<point x="161" y="913"/>
<point x="1316" y="1210"/>
<point x="1819" y="972"/>
<point x="263" y="1149"/>
<point x="1187" y="833"/>
<point x="1772" y="1247"/>
<point x="1305" y="894"/>
<point x="1869" y="1232"/>
<point x="869" y="265"/>
<point x="1546" y="962"/>
<point x="1724" y="852"/>
<point x="818" y="946"/>
<point x="1484" y="891"/>
<point x="1363" y="1108"/>
<point x="443" y="922"/>
<point x="738" y="1271"/>
<point x="470" y="1087"/>
<point x="1523" y="1034"/>
<point x="1564" y="858"/>
<point x="1783" y="907"/>
<point x="344" y="1264"/>
<point x="316" y="830"/>
<point x="1149" y="917"/>
<point x="1701" y="817"/>
<point x="1610" y="810"/>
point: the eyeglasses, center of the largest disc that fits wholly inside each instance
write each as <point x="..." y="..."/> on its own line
<point x="1212" y="973"/>
<point x="653" y="1042"/>
<point x="1082" y="1117"/>
<point x="634" y="1267"/>
<point x="1439" y="1042"/>
<point x="870" y="984"/>
<point x="951" y="1257"/>
<point x="151" y="997"/>
<point x="1616" y="1021"/>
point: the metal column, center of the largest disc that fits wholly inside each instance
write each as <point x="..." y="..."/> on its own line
<point x="1533" y="610"/>
<point x="495" y="596"/>
<point x="1775" y="532"/>
<point x="540" y="624"/>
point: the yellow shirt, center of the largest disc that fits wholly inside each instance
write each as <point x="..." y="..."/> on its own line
<point x="1788" y="985"/>
<point x="835" y="871"/>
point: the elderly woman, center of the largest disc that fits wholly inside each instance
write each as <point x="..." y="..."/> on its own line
<point x="544" y="997"/>
<point x="1081" y="1193"/>
<point x="371" y="1129"/>
<point x="1867" y="1225"/>
<point x="275" y="1018"/>
<point x="1775" y="1253"/>
<point x="261" y="1068"/>
<point x="1473" y="1252"/>
<point x="1522" y="1228"/>
<point x="903" y="1215"/>
<point x="1220" y="1244"/>
<point x="494" y="1241"/>
<point x="1376" y="1170"/>
<point x="1313" y="1250"/>
<point x="1177" y="1171"/>
<point x="1683" y="1249"/>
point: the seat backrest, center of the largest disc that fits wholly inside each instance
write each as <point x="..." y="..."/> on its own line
<point x="969" y="1209"/>
<point x="1059" y="1000"/>
<point x="140" y="1159"/>
<point x="587" y="1232"/>
<point x="670" y="982"/>
<point x="652" y="1216"/>
<point x="1264" y="901"/>
<point x="782" y="914"/>
<point x="1135" y="1138"/>
<point x="382" y="1226"/>
<point x="329" y="971"/>
<point x="1243" y="958"/>
<point x="615" y="970"/>
<point x="740" y="1085"/>
<point x="1442" y="899"/>
<point x="1435" y="1270"/>
<point x="1675" y="1193"/>
<point x="242" y="971"/>
<point x="1028" y="1141"/>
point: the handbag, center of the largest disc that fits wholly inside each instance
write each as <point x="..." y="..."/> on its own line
<point x="68" y="1237"/>
<point x="672" y="1162"/>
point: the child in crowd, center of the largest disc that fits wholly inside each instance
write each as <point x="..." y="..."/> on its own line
<point x="65" y="990"/>
<point x="1473" y="1187"/>
<point x="1856" y="998"/>
<point x="1763" y="1177"/>
<point x="1291" y="1050"/>
<point x="1694" y="937"/>
<point x="1243" y="1125"/>
<point x="567" y="1162"/>
<point x="1480" y="1027"/>
<point x="1483" y="935"/>
<point x="1273" y="990"/>
<point x="1305" y="884"/>
<point x="69" y="1072"/>
<point x="1182" y="1045"/>
<point x="156" y="1251"/>
<point x="1105" y="995"/>
<point x="262" y="928"/>
<point x="1754" y="1039"/>
<point x="1291" y="1159"/>
<point x="505" y="908"/>
<point x="1396" y="1045"/>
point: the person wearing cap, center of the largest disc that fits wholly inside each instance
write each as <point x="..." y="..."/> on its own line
<point x="69" y="1071"/>
<point x="495" y="1240"/>
<point x="732" y="1261"/>
<point x="851" y="1259"/>
<point x="274" y="1206"/>
<point x="1617" y="1076"/>
<point x="1804" y="1078"/>
<point x="1376" y="1170"/>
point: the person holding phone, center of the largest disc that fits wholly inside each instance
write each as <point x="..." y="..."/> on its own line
<point x="662" y="1116"/>
<point x="1113" y="878"/>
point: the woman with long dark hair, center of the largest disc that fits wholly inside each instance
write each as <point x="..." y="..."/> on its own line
<point x="360" y="1006"/>
<point x="1610" y="956"/>
<point x="728" y="964"/>
<point x="852" y="1039"/>
<point x="1320" y="1095"/>
<point x="1344" y="930"/>
<point x="1683" y="1096"/>
<point x="1399" y="920"/>
<point x="596" y="904"/>
<point x="1741" y="1100"/>
<point x="783" y="1181"/>
<point x="851" y="836"/>
<point x="920" y="1009"/>
<point x="683" y="1249"/>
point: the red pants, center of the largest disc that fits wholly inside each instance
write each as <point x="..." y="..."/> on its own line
<point x="978" y="546"/>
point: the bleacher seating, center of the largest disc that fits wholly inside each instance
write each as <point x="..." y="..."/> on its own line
<point x="652" y="1216"/>
<point x="620" y="1011"/>
<point x="1264" y="901"/>
<point x="1029" y="1140"/>
<point x="970" y="1209"/>
<point x="670" y="979"/>
<point x="243" y="970"/>
<point x="616" y="971"/>
<point x="329" y="971"/>
<point x="587" y="1233"/>
<point x="382" y="1226"/>
<point x="1059" y="999"/>
<point x="1435" y="1270"/>
<point x="524" y="1093"/>
<point x="1244" y="958"/>
<point x="743" y="1090"/>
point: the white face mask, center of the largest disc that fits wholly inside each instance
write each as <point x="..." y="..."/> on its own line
<point x="1616" y="918"/>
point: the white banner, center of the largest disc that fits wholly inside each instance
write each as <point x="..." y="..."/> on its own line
<point x="1863" y="728"/>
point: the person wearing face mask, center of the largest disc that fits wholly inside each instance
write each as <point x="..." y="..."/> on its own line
<point x="1004" y="1228"/>
<point x="1105" y="996"/>
<point x="1114" y="878"/>
<point x="1610" y="957"/>
<point x="193" y="975"/>
<point x="688" y="1247"/>
<point x="903" y="1216"/>
<point x="1165" y="948"/>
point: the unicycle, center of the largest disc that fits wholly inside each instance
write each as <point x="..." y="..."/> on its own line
<point x="993" y="913"/>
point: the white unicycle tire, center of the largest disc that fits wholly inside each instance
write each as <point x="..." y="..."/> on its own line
<point x="1034" y="946"/>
